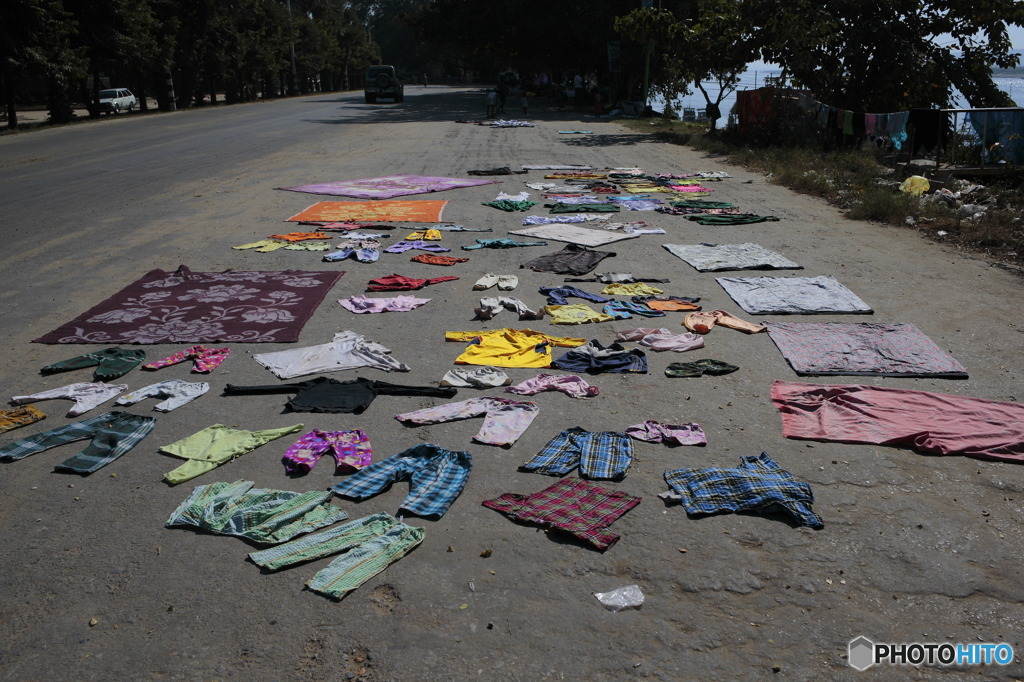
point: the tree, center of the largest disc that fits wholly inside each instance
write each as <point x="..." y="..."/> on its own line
<point x="888" y="55"/>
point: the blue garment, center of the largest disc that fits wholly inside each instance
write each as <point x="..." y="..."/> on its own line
<point x="759" y="484"/>
<point x="1004" y="127"/>
<point x="559" y="295"/>
<point x="436" y="478"/>
<point x="603" y="455"/>
<point x="897" y="128"/>
<point x="624" y="310"/>
<point x="503" y="243"/>
<point x="594" y="358"/>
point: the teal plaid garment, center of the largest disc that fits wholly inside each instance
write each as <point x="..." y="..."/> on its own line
<point x="359" y="564"/>
<point x="261" y="515"/>
<point x="759" y="484"/>
<point x="324" y="543"/>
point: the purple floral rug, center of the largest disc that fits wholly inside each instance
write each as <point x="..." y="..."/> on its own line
<point x="388" y="187"/>
<point x="202" y="307"/>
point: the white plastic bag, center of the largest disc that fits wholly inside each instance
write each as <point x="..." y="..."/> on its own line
<point x="626" y="597"/>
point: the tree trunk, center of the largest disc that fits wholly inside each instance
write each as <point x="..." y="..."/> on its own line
<point x="12" y="112"/>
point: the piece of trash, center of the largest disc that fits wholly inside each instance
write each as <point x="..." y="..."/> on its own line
<point x="626" y="597"/>
<point x="486" y="553"/>
<point x="916" y="185"/>
<point x="464" y="606"/>
<point x="93" y="622"/>
<point x="682" y="550"/>
<point x="450" y="548"/>
<point x="492" y="573"/>
<point x="472" y="586"/>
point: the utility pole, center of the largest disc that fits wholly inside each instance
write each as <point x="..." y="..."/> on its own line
<point x="294" y="90"/>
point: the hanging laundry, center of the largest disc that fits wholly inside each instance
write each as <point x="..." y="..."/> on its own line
<point x="670" y="434"/>
<point x="571" y="505"/>
<point x="110" y="363"/>
<point x="571" y="385"/>
<point x="207" y="449"/>
<point x="204" y="359"/>
<point x="436" y="478"/>
<point x="603" y="455"/>
<point x="330" y="395"/>
<point x="504" y="420"/>
<point x="176" y="392"/>
<point x="113" y="434"/>
<point x="758" y="485"/>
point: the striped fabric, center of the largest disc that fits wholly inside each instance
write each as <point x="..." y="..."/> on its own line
<point x="113" y="434"/>
<point x="17" y="417"/>
<point x="261" y="515"/>
<point x="759" y="484"/>
<point x="603" y="455"/>
<point x="324" y="543"/>
<point x="352" y="569"/>
<point x="436" y="478"/>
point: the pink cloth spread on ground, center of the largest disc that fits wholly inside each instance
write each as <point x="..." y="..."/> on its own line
<point x="930" y="423"/>
<point x="570" y="384"/>
<point x="395" y="304"/>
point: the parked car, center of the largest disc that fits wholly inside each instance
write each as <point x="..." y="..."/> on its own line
<point x="382" y="81"/>
<point x="116" y="100"/>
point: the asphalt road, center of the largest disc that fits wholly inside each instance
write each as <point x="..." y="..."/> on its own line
<point x="914" y="548"/>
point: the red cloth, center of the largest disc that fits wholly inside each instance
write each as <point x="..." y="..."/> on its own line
<point x="403" y="283"/>
<point x="931" y="423"/>
<point x="431" y="259"/>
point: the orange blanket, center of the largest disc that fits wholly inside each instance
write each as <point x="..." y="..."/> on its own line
<point x="380" y="211"/>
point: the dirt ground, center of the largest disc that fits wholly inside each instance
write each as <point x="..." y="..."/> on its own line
<point x="914" y="549"/>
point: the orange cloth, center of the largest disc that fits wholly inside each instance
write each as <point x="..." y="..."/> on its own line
<point x="431" y="259"/>
<point x="300" y="236"/>
<point x="380" y="211"/>
<point x="654" y="304"/>
<point x="703" y="322"/>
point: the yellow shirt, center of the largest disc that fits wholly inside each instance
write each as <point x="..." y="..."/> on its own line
<point x="509" y="347"/>
<point x="576" y="313"/>
<point x="638" y="289"/>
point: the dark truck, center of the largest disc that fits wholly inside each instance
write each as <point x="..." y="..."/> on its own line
<point x="382" y="81"/>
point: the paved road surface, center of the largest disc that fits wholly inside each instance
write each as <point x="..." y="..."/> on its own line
<point x="914" y="548"/>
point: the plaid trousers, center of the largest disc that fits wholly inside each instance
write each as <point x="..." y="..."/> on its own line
<point x="436" y="478"/>
<point x="602" y="455"/>
<point x="113" y="434"/>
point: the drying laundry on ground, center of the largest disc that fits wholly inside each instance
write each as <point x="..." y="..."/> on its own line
<point x="504" y="420"/>
<point x="112" y="434"/>
<point x="731" y="218"/>
<point x="15" y="418"/>
<point x="492" y="305"/>
<point x="862" y="348"/>
<point x="702" y="322"/>
<point x="362" y="250"/>
<point x="501" y="170"/>
<point x="387" y="187"/>
<point x="560" y="295"/>
<point x="573" y="234"/>
<point x="699" y="368"/>
<point x="668" y="303"/>
<point x="661" y="339"/>
<point x="110" y="363"/>
<point x="204" y="359"/>
<point x="429" y="234"/>
<point x="930" y="423"/>
<point x="792" y="295"/>
<point x="403" y="246"/>
<point x="396" y="282"/>
<point x="624" y="310"/>
<point x="436" y="478"/>
<point x="268" y="245"/>
<point x="503" y="282"/>
<point x="712" y="257"/>
<point x="262" y="515"/>
<point x="652" y="431"/>
<point x="86" y="395"/>
<point x="603" y="455"/>
<point x="594" y="358"/>
<point x="509" y="347"/>
<point x="610" y="277"/>
<point x="511" y="202"/>
<point x="364" y="304"/>
<point x="559" y="219"/>
<point x="388" y="211"/>
<point x="569" y="384"/>
<point x="431" y="259"/>
<point x="576" y="313"/>
<point x="475" y="377"/>
<point x="347" y="350"/>
<point x="175" y="392"/>
<point x="331" y="395"/>
<point x="350" y="448"/>
<point x="582" y="509"/>
<point x="757" y="485"/>
<point x="571" y="260"/>
<point x="207" y="449"/>
<point x="503" y="243"/>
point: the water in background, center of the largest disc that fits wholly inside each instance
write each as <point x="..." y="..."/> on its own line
<point x="754" y="78"/>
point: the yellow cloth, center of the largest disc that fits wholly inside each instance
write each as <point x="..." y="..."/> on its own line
<point x="207" y="449"/>
<point x="638" y="289"/>
<point x="509" y="347"/>
<point x="576" y="313"/>
<point x="425" y="235"/>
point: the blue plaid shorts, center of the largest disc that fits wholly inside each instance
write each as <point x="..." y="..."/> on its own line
<point x="436" y="478"/>
<point x="602" y="455"/>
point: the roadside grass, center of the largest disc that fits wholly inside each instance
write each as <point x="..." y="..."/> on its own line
<point x="862" y="187"/>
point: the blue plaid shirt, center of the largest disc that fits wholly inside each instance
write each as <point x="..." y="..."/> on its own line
<point x="436" y="478"/>
<point x="759" y="484"/>
<point x="603" y="455"/>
